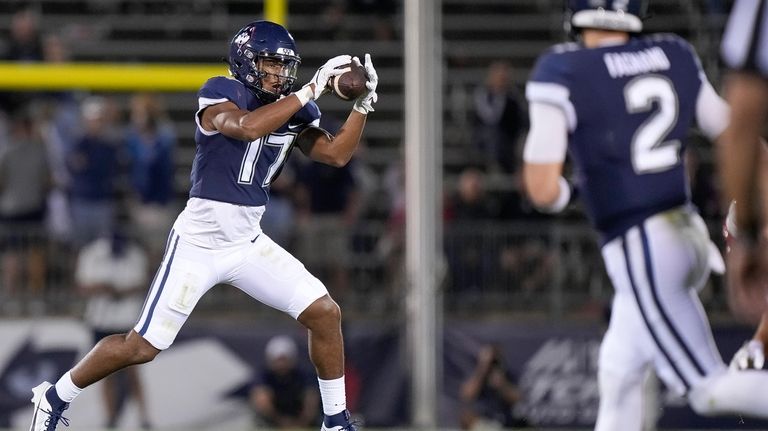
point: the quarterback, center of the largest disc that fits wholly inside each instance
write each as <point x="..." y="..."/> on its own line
<point x="621" y="104"/>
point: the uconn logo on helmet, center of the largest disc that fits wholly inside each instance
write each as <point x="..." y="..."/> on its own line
<point x="243" y="37"/>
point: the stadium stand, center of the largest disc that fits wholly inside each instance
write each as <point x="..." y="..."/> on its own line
<point x="475" y="33"/>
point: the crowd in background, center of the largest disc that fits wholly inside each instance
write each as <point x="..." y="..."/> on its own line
<point x="73" y="163"/>
<point x="98" y="175"/>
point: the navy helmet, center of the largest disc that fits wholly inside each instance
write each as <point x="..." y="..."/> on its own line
<point x="262" y="55"/>
<point x="618" y="15"/>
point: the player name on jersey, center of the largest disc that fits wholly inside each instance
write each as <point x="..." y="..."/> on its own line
<point x="622" y="64"/>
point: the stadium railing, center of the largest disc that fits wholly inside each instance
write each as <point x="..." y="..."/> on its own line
<point x="489" y="268"/>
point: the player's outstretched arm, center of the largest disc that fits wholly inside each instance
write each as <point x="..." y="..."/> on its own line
<point x="337" y="150"/>
<point x="228" y="119"/>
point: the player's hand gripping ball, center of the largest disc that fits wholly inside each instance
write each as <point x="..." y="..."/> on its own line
<point x="350" y="84"/>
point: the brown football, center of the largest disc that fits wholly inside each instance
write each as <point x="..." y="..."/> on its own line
<point x="350" y="84"/>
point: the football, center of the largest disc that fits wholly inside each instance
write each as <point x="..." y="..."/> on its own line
<point x="350" y="84"/>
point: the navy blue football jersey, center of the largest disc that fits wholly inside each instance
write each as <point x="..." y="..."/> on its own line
<point x="629" y="108"/>
<point x="240" y="172"/>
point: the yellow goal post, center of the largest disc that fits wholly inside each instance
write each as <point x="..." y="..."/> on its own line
<point x="170" y="77"/>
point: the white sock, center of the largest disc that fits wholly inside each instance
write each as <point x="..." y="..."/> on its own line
<point x="334" y="395"/>
<point x="66" y="389"/>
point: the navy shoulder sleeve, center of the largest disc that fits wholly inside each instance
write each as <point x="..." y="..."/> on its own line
<point x="552" y="66"/>
<point x="221" y="89"/>
<point x="550" y="81"/>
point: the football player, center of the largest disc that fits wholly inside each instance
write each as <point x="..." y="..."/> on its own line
<point x="752" y="354"/>
<point x="745" y="53"/>
<point x="247" y="125"/>
<point x="621" y="104"/>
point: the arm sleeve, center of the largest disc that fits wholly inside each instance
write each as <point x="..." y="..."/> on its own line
<point x="547" y="139"/>
<point x="712" y="112"/>
<point x="550" y="84"/>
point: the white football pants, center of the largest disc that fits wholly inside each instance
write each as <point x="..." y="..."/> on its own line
<point x="260" y="268"/>
<point x="657" y="319"/>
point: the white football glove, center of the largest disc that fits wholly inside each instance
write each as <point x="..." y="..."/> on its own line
<point x="749" y="357"/>
<point x="325" y="72"/>
<point x="364" y="103"/>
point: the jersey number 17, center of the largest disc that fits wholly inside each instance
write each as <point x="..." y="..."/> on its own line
<point x="281" y="141"/>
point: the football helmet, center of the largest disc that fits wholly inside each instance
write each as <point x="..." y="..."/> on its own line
<point x="262" y="55"/>
<point x="618" y="15"/>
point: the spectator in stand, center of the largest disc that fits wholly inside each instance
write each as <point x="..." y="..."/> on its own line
<point x="500" y="119"/>
<point x="24" y="185"/>
<point x="150" y="141"/>
<point x="23" y="44"/>
<point x="383" y="11"/>
<point x="279" y="218"/>
<point x="284" y="395"/>
<point x="489" y="394"/>
<point x="470" y="258"/>
<point x="390" y="248"/>
<point x="328" y="208"/>
<point x="336" y="14"/>
<point x="95" y="167"/>
<point x="60" y="132"/>
<point x="112" y="274"/>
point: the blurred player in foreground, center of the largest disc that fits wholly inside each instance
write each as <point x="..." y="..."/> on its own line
<point x="246" y="128"/>
<point x="752" y="354"/>
<point x="622" y="105"/>
<point x="745" y="53"/>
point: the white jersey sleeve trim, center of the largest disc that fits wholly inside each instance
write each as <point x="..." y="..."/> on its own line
<point x="553" y="94"/>
<point x="202" y="103"/>
<point x="547" y="140"/>
<point x="712" y="112"/>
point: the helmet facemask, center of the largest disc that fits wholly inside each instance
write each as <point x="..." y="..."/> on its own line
<point x="271" y="75"/>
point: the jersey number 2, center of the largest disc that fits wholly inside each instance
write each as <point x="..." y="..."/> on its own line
<point x="651" y="152"/>
<point x="254" y="150"/>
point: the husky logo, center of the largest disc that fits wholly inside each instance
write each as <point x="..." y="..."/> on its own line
<point x="243" y="37"/>
<point x="285" y="51"/>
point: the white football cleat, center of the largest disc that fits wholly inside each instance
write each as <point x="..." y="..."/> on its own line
<point x="750" y="356"/>
<point x="46" y="417"/>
